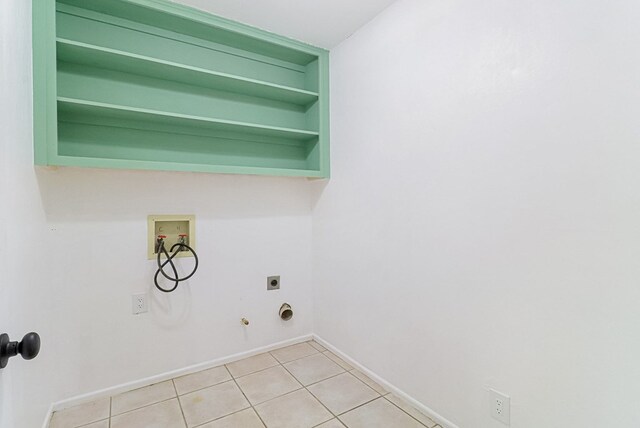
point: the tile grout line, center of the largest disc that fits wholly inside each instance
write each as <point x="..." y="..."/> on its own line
<point x="204" y="387"/>
<point x="322" y="380"/>
<point x="343" y="361"/>
<point x="295" y="359"/>
<point x="311" y="342"/>
<point x="325" y="422"/>
<point x="356" y="370"/>
<point x="110" y="405"/>
<point x="286" y="393"/>
<point x="411" y="416"/>
<point x="90" y="423"/>
<point x="305" y="388"/>
<point x="275" y="365"/>
<point x="146" y="405"/>
<point x="257" y="371"/>
<point x="108" y="419"/>
<point x="245" y="397"/>
<point x="220" y="383"/>
<point x="359" y="405"/>
<point x="332" y="419"/>
<point x="222" y="417"/>
<point x="184" y="418"/>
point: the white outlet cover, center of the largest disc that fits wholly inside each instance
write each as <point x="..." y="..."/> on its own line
<point x="139" y="303"/>
<point x="500" y="405"/>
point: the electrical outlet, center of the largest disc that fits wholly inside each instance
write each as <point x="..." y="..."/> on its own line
<point x="273" y="282"/>
<point x="500" y="406"/>
<point x="139" y="303"/>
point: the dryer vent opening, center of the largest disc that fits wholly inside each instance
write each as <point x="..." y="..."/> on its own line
<point x="286" y="313"/>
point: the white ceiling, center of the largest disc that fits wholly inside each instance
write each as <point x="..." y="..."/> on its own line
<point x="323" y="23"/>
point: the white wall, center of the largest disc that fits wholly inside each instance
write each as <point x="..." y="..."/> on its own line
<point x="481" y="228"/>
<point x="73" y="250"/>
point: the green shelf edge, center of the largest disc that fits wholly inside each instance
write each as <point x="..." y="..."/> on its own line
<point x="77" y="161"/>
<point x="91" y="55"/>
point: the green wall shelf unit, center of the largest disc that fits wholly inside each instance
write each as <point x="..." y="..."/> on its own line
<point x="151" y="84"/>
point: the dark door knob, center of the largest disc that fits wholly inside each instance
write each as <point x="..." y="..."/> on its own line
<point x="28" y="347"/>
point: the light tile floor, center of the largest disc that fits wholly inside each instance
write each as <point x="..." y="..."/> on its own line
<point x="299" y="386"/>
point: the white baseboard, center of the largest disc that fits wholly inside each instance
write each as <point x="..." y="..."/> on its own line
<point x="119" y="389"/>
<point x="47" y="418"/>
<point x="444" y="422"/>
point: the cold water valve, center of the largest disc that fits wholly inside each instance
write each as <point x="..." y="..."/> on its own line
<point x="28" y="347"/>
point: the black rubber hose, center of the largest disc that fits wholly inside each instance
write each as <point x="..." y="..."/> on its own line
<point x="161" y="250"/>
<point x="176" y="280"/>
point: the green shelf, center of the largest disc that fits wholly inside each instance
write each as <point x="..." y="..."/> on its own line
<point x="150" y="84"/>
<point x="112" y="59"/>
<point x="70" y="110"/>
